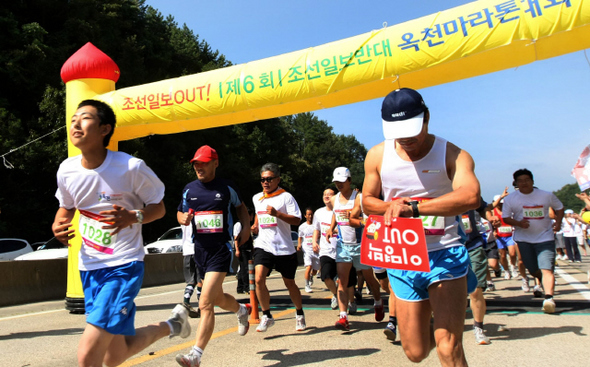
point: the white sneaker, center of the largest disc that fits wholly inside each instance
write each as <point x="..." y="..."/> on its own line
<point x="188" y="360"/>
<point x="334" y="303"/>
<point x="311" y="280"/>
<point x="525" y="285"/>
<point x="549" y="305"/>
<point x="179" y="321"/>
<point x="507" y="275"/>
<point x="480" y="337"/>
<point x="537" y="291"/>
<point x="352" y="308"/>
<point x="308" y="288"/>
<point x="300" y="322"/>
<point x="265" y="323"/>
<point x="243" y="323"/>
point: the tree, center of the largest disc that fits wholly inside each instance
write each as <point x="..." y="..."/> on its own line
<point x="567" y="195"/>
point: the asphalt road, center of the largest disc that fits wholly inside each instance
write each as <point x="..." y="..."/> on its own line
<point x="45" y="334"/>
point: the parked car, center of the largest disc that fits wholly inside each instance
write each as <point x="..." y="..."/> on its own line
<point x="13" y="247"/>
<point x="171" y="241"/>
<point x="52" y="249"/>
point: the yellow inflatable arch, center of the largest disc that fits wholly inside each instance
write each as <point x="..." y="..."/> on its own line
<point x="463" y="42"/>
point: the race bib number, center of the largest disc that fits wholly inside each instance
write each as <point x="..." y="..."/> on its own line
<point x="266" y="220"/>
<point x="433" y="225"/>
<point x="505" y="229"/>
<point x="466" y="223"/>
<point x="324" y="227"/>
<point x="342" y="217"/>
<point x="308" y="241"/>
<point x="209" y="221"/>
<point x="93" y="235"/>
<point x="400" y="246"/>
<point x="533" y="212"/>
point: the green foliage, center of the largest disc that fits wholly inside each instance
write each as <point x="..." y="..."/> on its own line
<point x="567" y="195"/>
<point x="37" y="37"/>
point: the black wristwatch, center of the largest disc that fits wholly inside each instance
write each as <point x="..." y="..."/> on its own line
<point x="415" y="212"/>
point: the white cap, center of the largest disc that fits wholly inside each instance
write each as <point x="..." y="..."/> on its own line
<point x="496" y="197"/>
<point x="569" y="211"/>
<point x="341" y="174"/>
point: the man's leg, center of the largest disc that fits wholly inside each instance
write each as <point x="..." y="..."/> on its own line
<point x="93" y="346"/>
<point x="212" y="295"/>
<point x="414" y="328"/>
<point x="262" y="293"/>
<point x="294" y="292"/>
<point x="448" y="302"/>
<point x="124" y="346"/>
<point x="343" y="275"/>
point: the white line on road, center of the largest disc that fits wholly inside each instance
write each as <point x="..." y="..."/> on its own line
<point x="573" y="282"/>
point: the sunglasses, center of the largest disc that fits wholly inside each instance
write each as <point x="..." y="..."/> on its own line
<point x="266" y="179"/>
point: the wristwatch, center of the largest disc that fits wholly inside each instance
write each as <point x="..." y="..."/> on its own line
<point x="415" y="212"/>
<point x="139" y="216"/>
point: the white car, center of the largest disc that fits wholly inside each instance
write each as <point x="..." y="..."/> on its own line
<point x="52" y="249"/>
<point x="10" y="248"/>
<point x="171" y="241"/>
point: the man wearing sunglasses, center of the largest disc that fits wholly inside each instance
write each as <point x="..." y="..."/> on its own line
<point x="276" y="211"/>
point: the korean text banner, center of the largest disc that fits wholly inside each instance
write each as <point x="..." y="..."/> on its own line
<point x="466" y="41"/>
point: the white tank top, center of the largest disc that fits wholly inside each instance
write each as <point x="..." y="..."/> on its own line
<point x="347" y="233"/>
<point x="421" y="180"/>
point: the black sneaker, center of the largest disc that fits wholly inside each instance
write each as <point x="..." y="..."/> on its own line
<point x="192" y="313"/>
<point x="358" y="297"/>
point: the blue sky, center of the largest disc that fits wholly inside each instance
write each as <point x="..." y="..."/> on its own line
<point x="534" y="116"/>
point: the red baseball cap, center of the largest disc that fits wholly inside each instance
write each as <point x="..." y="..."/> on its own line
<point x="205" y="154"/>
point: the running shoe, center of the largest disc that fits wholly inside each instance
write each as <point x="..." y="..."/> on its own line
<point x="342" y="324"/>
<point x="300" y="322"/>
<point x="525" y="285"/>
<point x="179" y="321"/>
<point x="390" y="331"/>
<point x="379" y="313"/>
<point x="491" y="287"/>
<point x="188" y="360"/>
<point x="308" y="288"/>
<point x="192" y="313"/>
<point x="537" y="292"/>
<point x="334" y="303"/>
<point x="265" y="323"/>
<point x="243" y="324"/>
<point x="549" y="305"/>
<point x="480" y="337"/>
<point x="352" y="308"/>
<point x="507" y="274"/>
<point x="497" y="273"/>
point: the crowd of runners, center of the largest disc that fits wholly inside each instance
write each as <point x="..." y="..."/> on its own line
<point x="412" y="173"/>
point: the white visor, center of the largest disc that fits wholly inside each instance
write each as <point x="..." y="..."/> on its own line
<point x="403" y="129"/>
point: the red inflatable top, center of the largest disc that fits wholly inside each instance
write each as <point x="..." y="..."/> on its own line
<point x="89" y="62"/>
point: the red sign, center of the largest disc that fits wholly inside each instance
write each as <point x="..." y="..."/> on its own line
<point x="400" y="246"/>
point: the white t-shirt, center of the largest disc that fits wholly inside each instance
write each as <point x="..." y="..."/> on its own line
<point x="306" y="235"/>
<point x="534" y="207"/>
<point x="122" y="180"/>
<point x="322" y="219"/>
<point x="570" y="227"/>
<point x="274" y="234"/>
<point x="347" y="233"/>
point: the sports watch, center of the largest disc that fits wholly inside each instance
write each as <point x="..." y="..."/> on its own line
<point x="414" y="205"/>
<point x="139" y="216"/>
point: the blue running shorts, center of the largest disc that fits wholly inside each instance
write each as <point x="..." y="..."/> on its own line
<point x="446" y="264"/>
<point x="109" y="294"/>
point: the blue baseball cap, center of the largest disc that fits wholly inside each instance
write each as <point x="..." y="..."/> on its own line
<point x="402" y="113"/>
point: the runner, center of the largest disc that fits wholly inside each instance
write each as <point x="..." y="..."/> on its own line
<point x="420" y="174"/>
<point x="276" y="211"/>
<point x="311" y="259"/>
<point x="475" y="244"/>
<point x="504" y="239"/>
<point x="208" y="199"/>
<point x="347" y="210"/>
<point x="322" y="219"/>
<point x="527" y="210"/>
<point x="191" y="274"/>
<point x="115" y="193"/>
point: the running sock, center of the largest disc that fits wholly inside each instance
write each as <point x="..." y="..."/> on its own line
<point x="299" y="312"/>
<point x="267" y="313"/>
<point x="343" y="314"/>
<point x="199" y="352"/>
<point x="393" y="320"/>
<point x="478" y="324"/>
<point x="242" y="310"/>
<point x="379" y="303"/>
<point x="188" y="292"/>
<point x="548" y="296"/>
<point x="174" y="326"/>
